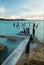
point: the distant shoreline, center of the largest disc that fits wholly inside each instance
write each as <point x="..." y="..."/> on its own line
<point x="13" y="19"/>
<point x="2" y="19"/>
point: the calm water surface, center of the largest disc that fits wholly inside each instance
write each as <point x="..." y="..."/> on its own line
<point x="7" y="28"/>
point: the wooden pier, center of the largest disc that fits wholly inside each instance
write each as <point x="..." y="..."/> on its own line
<point x="13" y="37"/>
<point x="14" y="57"/>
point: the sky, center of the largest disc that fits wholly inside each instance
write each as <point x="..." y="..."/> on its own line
<point x="27" y="9"/>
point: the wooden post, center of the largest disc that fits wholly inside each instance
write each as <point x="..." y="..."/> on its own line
<point x="27" y="31"/>
<point x="28" y="48"/>
<point x="33" y="29"/>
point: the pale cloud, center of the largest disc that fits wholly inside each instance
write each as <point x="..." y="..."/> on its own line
<point x="36" y="12"/>
<point x="34" y="8"/>
<point x="29" y="10"/>
<point x="14" y="17"/>
<point x="4" y="13"/>
<point x="2" y="10"/>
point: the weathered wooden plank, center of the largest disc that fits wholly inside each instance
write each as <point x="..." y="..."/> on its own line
<point x="16" y="54"/>
<point x="13" y="37"/>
